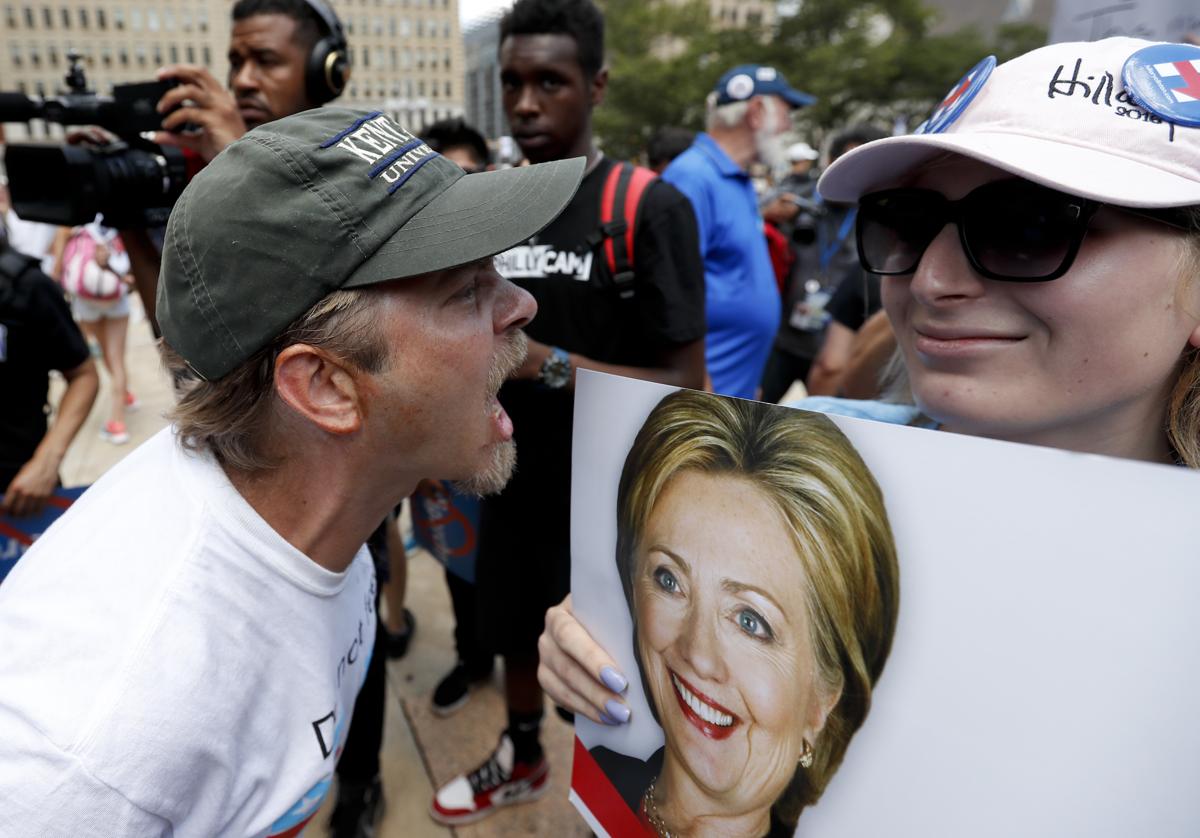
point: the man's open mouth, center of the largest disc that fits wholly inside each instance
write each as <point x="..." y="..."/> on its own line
<point x="713" y="720"/>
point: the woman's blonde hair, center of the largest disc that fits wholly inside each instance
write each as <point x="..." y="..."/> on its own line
<point x="233" y="416"/>
<point x="838" y="522"/>
<point x="1183" y="405"/>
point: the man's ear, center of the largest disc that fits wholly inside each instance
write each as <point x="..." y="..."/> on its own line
<point x="320" y="388"/>
<point x="599" y="86"/>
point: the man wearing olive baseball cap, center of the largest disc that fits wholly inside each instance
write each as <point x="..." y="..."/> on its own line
<point x="185" y="645"/>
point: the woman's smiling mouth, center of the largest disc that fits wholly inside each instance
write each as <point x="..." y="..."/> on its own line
<point x="713" y="720"/>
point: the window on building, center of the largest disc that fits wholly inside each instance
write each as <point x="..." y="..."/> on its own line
<point x="135" y="20"/>
<point x="377" y="25"/>
<point x="405" y="27"/>
<point x="52" y="55"/>
<point x="353" y="91"/>
<point x="106" y="55"/>
<point x="202" y="19"/>
<point x="753" y="18"/>
<point x="47" y="17"/>
<point x="392" y="56"/>
<point x="185" y="20"/>
<point x="366" y="57"/>
<point x="173" y="51"/>
<point x="14" y="54"/>
<point x="140" y="52"/>
<point x="207" y="53"/>
<point x="123" y="57"/>
<point x="157" y="55"/>
<point x="118" y="15"/>
<point x="168" y="20"/>
<point x="28" y="17"/>
<point x="83" y="18"/>
<point x="421" y="87"/>
<point x="191" y="54"/>
<point x="101" y="19"/>
<point x="420" y="27"/>
<point x="445" y="28"/>
<point x="433" y="89"/>
<point x="449" y="89"/>
<point x="152" y="20"/>
<point x="65" y="14"/>
<point x="10" y="16"/>
<point x="35" y="57"/>
<point x="40" y="88"/>
<point x="446" y="59"/>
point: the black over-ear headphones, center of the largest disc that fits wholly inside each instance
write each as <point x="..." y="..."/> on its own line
<point x="328" y="67"/>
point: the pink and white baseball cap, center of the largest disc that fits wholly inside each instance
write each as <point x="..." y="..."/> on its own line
<point x="1060" y="116"/>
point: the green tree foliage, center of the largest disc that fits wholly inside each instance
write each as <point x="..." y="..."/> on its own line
<point x="866" y="60"/>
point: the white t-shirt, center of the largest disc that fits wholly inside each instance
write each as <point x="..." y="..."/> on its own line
<point x="169" y="665"/>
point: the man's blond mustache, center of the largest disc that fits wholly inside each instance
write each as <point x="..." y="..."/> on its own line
<point x="508" y="360"/>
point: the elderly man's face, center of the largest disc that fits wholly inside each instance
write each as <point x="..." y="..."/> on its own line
<point x="454" y="336"/>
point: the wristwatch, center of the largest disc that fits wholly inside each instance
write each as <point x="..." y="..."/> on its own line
<point x="555" y="373"/>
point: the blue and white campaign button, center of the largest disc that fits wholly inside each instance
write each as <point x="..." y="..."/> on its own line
<point x="956" y="101"/>
<point x="1165" y="80"/>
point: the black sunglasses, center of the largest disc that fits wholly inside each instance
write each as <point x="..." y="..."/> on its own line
<point x="1010" y="230"/>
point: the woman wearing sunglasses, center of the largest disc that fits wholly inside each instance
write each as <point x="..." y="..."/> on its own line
<point x="1040" y="254"/>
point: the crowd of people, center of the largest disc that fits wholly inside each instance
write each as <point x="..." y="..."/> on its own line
<point x="379" y="304"/>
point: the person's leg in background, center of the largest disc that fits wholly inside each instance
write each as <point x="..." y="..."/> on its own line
<point x="475" y="662"/>
<point x="400" y="622"/>
<point x="111" y="333"/>
<point x="360" y="803"/>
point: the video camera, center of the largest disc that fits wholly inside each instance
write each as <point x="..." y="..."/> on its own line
<point x="132" y="181"/>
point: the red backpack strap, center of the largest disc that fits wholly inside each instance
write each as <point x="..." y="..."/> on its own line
<point x="624" y="187"/>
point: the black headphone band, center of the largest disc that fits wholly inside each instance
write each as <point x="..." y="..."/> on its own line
<point x="333" y="26"/>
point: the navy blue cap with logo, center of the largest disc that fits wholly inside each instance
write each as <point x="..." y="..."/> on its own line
<point x="748" y="80"/>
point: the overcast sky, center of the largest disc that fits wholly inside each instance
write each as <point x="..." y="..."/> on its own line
<point x="469" y="10"/>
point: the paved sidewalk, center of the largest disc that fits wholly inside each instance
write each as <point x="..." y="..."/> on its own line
<point x="418" y="747"/>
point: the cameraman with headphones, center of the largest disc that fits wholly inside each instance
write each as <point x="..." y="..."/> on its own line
<point x="286" y="56"/>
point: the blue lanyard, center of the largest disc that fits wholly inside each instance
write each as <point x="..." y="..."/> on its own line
<point x="830" y="250"/>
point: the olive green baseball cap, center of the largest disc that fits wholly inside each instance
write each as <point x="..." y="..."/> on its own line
<point x="329" y="198"/>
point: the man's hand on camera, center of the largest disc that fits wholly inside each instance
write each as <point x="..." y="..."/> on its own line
<point x="202" y="101"/>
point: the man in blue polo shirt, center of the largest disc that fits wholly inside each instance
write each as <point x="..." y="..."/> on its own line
<point x="748" y="112"/>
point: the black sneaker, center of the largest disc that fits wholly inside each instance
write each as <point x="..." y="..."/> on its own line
<point x="453" y="691"/>
<point x="397" y="644"/>
<point x="358" y="810"/>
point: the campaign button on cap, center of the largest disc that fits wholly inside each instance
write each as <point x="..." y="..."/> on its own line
<point x="1165" y="80"/>
<point x="956" y="101"/>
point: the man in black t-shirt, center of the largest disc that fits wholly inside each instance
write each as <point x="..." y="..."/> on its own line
<point x="551" y="78"/>
<point x="37" y="335"/>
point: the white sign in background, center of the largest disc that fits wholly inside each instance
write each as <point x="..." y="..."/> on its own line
<point x="1044" y="677"/>
<point x="1154" y="20"/>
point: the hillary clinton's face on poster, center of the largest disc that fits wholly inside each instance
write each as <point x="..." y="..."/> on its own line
<point x="723" y="635"/>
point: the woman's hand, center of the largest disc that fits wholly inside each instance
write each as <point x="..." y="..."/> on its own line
<point x="576" y="673"/>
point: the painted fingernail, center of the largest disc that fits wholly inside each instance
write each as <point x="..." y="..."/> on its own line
<point x="617" y="711"/>
<point x="608" y="720"/>
<point x="614" y="680"/>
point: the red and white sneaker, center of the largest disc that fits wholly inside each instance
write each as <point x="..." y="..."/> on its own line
<point x="498" y="782"/>
<point x="114" y="432"/>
